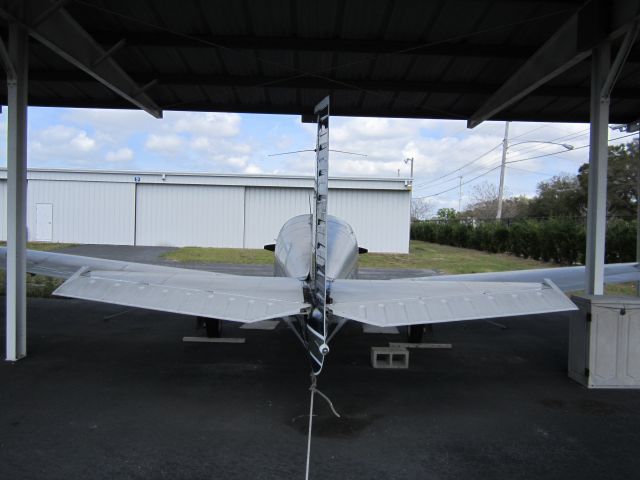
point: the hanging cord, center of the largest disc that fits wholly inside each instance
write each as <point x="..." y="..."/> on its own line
<point x="313" y="389"/>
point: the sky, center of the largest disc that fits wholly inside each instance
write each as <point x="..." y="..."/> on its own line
<point x="242" y="143"/>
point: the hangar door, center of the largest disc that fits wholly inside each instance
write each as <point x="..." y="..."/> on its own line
<point x="3" y="209"/>
<point x="189" y="215"/>
<point x="268" y="208"/>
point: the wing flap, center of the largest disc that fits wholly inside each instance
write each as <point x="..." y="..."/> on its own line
<point x="235" y="298"/>
<point x="387" y="303"/>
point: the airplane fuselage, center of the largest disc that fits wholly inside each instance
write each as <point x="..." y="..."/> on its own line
<point x="293" y="249"/>
<point x="293" y="258"/>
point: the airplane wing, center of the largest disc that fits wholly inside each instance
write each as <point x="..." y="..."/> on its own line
<point x="387" y="303"/>
<point x="178" y="290"/>
<point x="568" y="279"/>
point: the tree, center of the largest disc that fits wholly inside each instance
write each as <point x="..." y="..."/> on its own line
<point x="484" y="204"/>
<point x="420" y="209"/>
<point x="484" y="201"/>
<point x="447" y="214"/>
<point x="562" y="196"/>
<point x="622" y="178"/>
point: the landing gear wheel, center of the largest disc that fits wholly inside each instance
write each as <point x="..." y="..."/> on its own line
<point x="213" y="327"/>
<point x="415" y="333"/>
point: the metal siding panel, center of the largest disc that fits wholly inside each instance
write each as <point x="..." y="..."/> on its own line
<point x="267" y="209"/>
<point x="96" y="212"/>
<point x="380" y="219"/>
<point x="194" y="215"/>
<point x="3" y="210"/>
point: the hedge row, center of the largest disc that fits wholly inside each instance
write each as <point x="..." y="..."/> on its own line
<point x="557" y="240"/>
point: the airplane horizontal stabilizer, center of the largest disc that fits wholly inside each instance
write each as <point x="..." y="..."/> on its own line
<point x="234" y="298"/>
<point x="387" y="303"/>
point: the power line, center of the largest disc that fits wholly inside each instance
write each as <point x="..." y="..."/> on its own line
<point x="515" y="161"/>
<point x="530" y="131"/>
<point x="546" y="174"/>
<point x="463" y="183"/>
<point x="430" y="183"/>
<point x="563" y="138"/>
<point x="460" y="168"/>
<point x="563" y="151"/>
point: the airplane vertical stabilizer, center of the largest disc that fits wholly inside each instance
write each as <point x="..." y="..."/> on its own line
<point x="317" y="325"/>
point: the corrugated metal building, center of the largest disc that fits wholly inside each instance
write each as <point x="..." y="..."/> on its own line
<point x="176" y="209"/>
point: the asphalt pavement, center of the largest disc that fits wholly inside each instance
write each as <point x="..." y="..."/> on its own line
<point x="108" y="392"/>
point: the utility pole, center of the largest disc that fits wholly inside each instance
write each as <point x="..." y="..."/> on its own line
<point x="460" y="194"/>
<point x="505" y="146"/>
<point x="407" y="160"/>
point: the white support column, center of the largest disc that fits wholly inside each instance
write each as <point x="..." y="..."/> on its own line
<point x="598" y="161"/>
<point x="17" y="88"/>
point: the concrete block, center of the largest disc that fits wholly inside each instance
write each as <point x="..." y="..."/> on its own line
<point x="389" y="357"/>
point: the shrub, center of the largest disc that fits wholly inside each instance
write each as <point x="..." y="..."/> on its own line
<point x="561" y="240"/>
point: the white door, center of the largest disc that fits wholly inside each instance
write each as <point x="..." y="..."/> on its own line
<point x="44" y="222"/>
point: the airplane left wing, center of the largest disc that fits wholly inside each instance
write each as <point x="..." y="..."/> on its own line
<point x="179" y="290"/>
<point x="389" y="303"/>
<point x="568" y="279"/>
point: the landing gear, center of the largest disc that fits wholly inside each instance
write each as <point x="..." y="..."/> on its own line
<point x="415" y="333"/>
<point x="213" y="326"/>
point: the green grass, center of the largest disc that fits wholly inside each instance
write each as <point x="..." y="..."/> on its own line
<point x="44" y="246"/>
<point x="421" y="255"/>
<point x="425" y="255"/>
<point x="38" y="285"/>
<point x="219" y="255"/>
<point x="447" y="259"/>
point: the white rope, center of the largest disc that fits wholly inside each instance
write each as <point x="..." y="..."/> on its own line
<point x="313" y="389"/>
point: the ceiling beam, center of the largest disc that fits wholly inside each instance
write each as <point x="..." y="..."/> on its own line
<point x="107" y="39"/>
<point x="318" y="44"/>
<point x="315" y="44"/>
<point x="571" y="44"/>
<point x="295" y="109"/>
<point x="58" y="31"/>
<point x="316" y="83"/>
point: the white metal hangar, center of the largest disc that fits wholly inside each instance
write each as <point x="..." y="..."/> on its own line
<point x="208" y="210"/>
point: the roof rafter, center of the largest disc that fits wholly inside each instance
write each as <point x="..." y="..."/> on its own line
<point x="319" y="83"/>
<point x="58" y="31"/>
<point x="571" y="44"/>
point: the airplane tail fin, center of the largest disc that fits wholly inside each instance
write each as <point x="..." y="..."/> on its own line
<point x="318" y="322"/>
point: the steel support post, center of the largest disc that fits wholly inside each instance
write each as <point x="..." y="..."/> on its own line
<point x="17" y="87"/>
<point x="598" y="161"/>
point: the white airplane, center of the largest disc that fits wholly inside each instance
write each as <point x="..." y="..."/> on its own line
<point x="315" y="289"/>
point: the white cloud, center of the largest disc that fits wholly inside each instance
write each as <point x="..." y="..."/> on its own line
<point x="82" y="142"/>
<point x="252" y="169"/>
<point x="209" y="124"/>
<point x="164" y="143"/>
<point x="237" y="161"/>
<point x="121" y="155"/>
<point x="61" y="144"/>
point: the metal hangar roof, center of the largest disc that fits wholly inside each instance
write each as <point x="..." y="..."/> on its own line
<point x="419" y="59"/>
